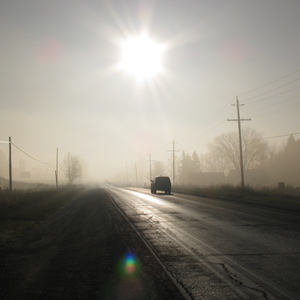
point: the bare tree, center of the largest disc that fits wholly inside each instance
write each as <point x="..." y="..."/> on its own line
<point x="225" y="147"/>
<point x="73" y="167"/>
<point x="215" y="163"/>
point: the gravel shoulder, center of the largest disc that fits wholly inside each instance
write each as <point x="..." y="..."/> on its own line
<point x="87" y="250"/>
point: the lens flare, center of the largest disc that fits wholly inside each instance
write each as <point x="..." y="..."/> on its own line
<point x="129" y="266"/>
<point x="51" y="50"/>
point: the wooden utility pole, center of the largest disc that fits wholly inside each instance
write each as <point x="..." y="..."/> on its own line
<point x="150" y="162"/>
<point x="174" y="178"/>
<point x="9" y="164"/>
<point x="240" y="139"/>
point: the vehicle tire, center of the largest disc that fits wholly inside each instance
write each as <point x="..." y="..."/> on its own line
<point x="154" y="192"/>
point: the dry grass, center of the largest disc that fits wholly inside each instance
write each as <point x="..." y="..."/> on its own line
<point x="285" y="198"/>
<point x="21" y="210"/>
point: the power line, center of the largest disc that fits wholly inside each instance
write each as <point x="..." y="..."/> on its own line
<point x="277" y="119"/>
<point x="31" y="156"/>
<point x="182" y="137"/>
<point x="269" y="83"/>
<point x="189" y="134"/>
<point x="270" y="96"/>
<point x="271" y="137"/>
<point x="277" y="111"/>
<point x="203" y="133"/>
<point x="273" y="104"/>
<point x="206" y="132"/>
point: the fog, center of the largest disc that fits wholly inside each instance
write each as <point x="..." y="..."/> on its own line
<point x="61" y="86"/>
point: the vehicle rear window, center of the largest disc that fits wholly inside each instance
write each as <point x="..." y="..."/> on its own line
<point x="163" y="179"/>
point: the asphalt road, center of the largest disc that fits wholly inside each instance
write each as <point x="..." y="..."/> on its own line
<point x="218" y="249"/>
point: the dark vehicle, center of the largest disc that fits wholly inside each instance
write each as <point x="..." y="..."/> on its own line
<point x="161" y="183"/>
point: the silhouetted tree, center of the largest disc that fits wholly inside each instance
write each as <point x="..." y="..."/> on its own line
<point x="188" y="164"/>
<point x="72" y="166"/>
<point x="196" y="165"/>
<point x="203" y="158"/>
<point x="285" y="164"/>
<point x="216" y="163"/>
<point x="225" y="148"/>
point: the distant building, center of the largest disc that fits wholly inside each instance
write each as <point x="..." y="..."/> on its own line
<point x="254" y="177"/>
<point x="207" y="178"/>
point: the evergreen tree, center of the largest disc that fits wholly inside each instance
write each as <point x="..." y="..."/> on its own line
<point x="196" y="162"/>
<point x="188" y="164"/>
<point x="285" y="165"/>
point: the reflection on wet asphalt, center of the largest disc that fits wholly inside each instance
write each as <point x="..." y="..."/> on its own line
<point x="218" y="249"/>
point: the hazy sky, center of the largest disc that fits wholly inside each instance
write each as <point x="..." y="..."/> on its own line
<point x="60" y="86"/>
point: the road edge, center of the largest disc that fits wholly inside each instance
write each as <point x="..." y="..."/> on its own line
<point x="175" y="282"/>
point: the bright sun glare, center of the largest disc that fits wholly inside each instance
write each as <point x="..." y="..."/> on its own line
<point x="142" y="57"/>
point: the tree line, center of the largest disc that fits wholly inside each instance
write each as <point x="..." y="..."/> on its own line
<point x="280" y="162"/>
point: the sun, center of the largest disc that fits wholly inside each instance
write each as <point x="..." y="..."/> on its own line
<point x="142" y="57"/>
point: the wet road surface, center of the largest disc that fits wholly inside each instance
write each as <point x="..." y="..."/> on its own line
<point x="218" y="249"/>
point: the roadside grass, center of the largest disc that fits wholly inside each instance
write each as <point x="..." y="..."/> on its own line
<point x="288" y="198"/>
<point x="21" y="210"/>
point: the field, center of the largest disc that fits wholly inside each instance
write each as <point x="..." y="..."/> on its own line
<point x="21" y="210"/>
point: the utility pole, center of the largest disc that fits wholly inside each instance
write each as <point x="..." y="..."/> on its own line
<point x="9" y="164"/>
<point x="56" y="171"/>
<point x="150" y="162"/>
<point x="174" y="180"/>
<point x="240" y="139"/>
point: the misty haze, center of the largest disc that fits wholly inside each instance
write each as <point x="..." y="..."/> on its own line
<point x="104" y="103"/>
